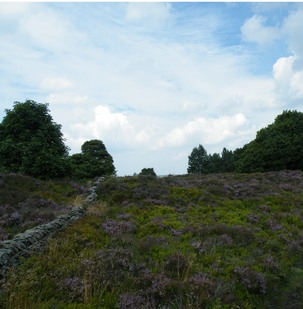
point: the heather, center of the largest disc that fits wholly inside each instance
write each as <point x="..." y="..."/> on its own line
<point x="191" y="241"/>
<point x="26" y="202"/>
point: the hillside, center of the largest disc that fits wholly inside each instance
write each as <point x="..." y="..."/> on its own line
<point x="192" y="241"/>
<point x="26" y="202"/>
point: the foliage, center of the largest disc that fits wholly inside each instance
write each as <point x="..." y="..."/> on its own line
<point x="227" y="161"/>
<point x="199" y="162"/>
<point x="278" y="146"/>
<point x="148" y="172"/>
<point x="94" y="161"/>
<point x="77" y="164"/>
<point x="31" y="142"/>
<point x="212" y="241"/>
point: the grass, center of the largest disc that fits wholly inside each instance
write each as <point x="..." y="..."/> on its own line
<point x="192" y="241"/>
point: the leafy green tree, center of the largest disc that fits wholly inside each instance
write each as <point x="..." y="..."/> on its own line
<point x="94" y="161"/>
<point x="198" y="161"/>
<point x="214" y="163"/>
<point x="201" y="162"/>
<point x="148" y="172"/>
<point x="31" y="142"/>
<point x="276" y="147"/>
<point x="77" y="164"/>
<point x="227" y="160"/>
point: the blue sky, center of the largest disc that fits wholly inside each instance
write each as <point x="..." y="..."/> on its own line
<point x="154" y="80"/>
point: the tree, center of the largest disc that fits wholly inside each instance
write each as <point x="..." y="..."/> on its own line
<point x="77" y="163"/>
<point x="94" y="161"/>
<point x="31" y="142"/>
<point x="198" y="161"/>
<point x="276" y="147"/>
<point x="214" y="163"/>
<point x="202" y="163"/>
<point x="227" y="160"/>
<point x="148" y="172"/>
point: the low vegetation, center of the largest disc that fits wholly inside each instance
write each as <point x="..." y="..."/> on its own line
<point x="211" y="239"/>
<point x="26" y="202"/>
<point x="192" y="241"/>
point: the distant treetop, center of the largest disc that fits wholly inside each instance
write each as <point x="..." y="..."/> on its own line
<point x="94" y="161"/>
<point x="147" y="172"/>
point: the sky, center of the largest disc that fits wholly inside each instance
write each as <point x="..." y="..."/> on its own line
<point x="154" y="80"/>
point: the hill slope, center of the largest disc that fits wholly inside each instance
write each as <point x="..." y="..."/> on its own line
<point x="193" y="241"/>
<point x="26" y="202"/>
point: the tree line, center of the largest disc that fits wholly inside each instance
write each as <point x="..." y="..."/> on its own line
<point x="278" y="146"/>
<point x="32" y="143"/>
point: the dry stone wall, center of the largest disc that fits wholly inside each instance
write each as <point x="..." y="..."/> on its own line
<point x="31" y="240"/>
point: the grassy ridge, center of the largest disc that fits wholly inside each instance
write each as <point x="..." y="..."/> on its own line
<point x="194" y="241"/>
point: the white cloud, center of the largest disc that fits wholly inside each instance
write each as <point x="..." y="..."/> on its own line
<point x="204" y="130"/>
<point x="148" y="14"/>
<point x="293" y="30"/>
<point x="161" y="72"/>
<point x="268" y="7"/>
<point x="288" y="71"/>
<point x="254" y="30"/>
<point x="114" y="127"/>
<point x="74" y="142"/>
<point x="10" y="15"/>
<point x="107" y="120"/>
<point x="48" y="29"/>
<point x="67" y="98"/>
<point x="282" y="69"/>
<point x="56" y="83"/>
<point x="296" y="85"/>
<point x="289" y="82"/>
<point x="188" y="106"/>
<point x="13" y="10"/>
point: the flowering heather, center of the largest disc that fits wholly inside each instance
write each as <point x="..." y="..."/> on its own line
<point x="202" y="282"/>
<point x="225" y="240"/>
<point x="250" y="279"/>
<point x="113" y="227"/>
<point x="134" y="301"/>
<point x="26" y="202"/>
<point x="253" y="218"/>
<point x="190" y="241"/>
<point x="3" y="234"/>
<point x="74" y="288"/>
<point x="274" y="226"/>
<point x="271" y="264"/>
<point x="123" y="216"/>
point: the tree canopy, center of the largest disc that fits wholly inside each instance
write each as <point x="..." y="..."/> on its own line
<point x="94" y="161"/>
<point x="276" y="147"/>
<point x="148" y="172"/>
<point x="31" y="142"/>
<point x="198" y="161"/>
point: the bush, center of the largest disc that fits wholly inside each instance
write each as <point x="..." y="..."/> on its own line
<point x="148" y="172"/>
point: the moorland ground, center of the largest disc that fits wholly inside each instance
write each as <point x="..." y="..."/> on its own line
<point x="192" y="241"/>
